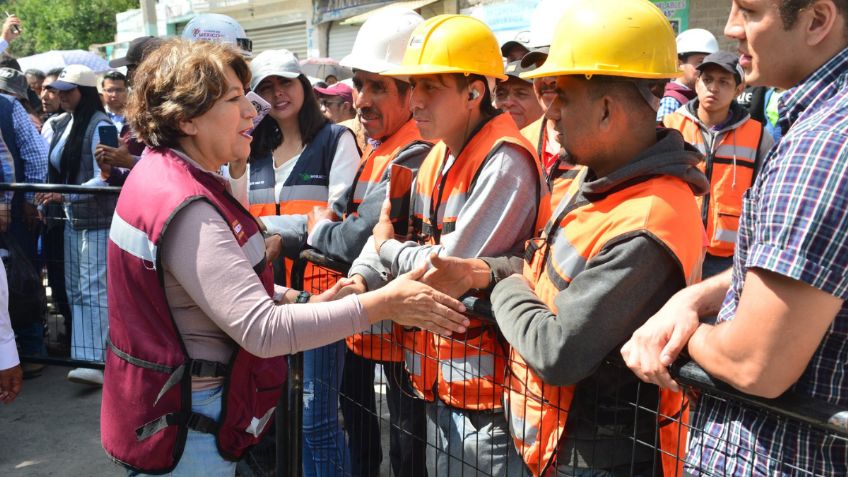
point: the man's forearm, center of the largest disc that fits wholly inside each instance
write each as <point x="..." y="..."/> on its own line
<point x="708" y="295"/>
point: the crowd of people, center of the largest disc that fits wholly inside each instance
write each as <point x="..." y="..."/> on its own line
<point x="611" y="187"/>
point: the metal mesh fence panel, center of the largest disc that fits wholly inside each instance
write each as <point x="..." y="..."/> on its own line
<point x="470" y="406"/>
<point x="55" y="257"/>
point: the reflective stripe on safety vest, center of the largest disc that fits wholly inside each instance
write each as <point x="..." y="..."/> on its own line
<point x="731" y="168"/>
<point x="308" y="183"/>
<point x="559" y="176"/>
<point x="660" y="206"/>
<point x="469" y="369"/>
<point x="307" y="187"/>
<point x="146" y="407"/>
<point x="379" y="342"/>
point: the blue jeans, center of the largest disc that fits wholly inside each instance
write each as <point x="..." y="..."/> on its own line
<point x="201" y="456"/>
<point x="407" y="419"/>
<point x="85" y="283"/>
<point x="470" y="443"/>
<point x="325" y="452"/>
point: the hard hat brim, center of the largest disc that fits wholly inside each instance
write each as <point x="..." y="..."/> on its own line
<point x="421" y="70"/>
<point x="542" y="72"/>
<point x="364" y="63"/>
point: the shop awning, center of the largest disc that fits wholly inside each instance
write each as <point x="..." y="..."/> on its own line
<point x="411" y="5"/>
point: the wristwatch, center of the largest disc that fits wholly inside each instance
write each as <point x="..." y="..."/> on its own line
<point x="303" y="297"/>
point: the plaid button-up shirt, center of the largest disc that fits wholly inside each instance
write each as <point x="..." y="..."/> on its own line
<point x="794" y="222"/>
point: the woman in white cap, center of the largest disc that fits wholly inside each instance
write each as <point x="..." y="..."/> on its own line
<point x="299" y="160"/>
<point x="73" y="139"/>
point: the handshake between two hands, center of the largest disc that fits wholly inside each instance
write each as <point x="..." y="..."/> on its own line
<point x="423" y="298"/>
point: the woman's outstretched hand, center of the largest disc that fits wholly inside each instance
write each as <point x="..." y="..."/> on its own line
<point x="411" y="303"/>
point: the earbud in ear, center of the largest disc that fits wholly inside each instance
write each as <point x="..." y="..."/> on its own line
<point x="473" y="94"/>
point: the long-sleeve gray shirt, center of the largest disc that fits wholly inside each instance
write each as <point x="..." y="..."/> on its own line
<point x="344" y="240"/>
<point x="497" y="218"/>
<point x="618" y="291"/>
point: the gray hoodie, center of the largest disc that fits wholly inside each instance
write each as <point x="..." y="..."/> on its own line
<point x="621" y="287"/>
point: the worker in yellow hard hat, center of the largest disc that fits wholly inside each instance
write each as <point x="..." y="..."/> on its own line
<point x="476" y="193"/>
<point x="625" y="237"/>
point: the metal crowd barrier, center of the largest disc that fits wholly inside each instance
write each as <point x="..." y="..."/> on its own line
<point x="56" y="267"/>
<point x="622" y="426"/>
<point x="620" y="420"/>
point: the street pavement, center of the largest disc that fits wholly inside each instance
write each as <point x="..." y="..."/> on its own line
<point x="53" y="429"/>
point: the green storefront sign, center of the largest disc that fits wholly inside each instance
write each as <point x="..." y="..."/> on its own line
<point x="677" y="12"/>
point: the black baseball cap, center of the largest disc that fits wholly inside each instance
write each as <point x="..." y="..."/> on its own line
<point x="136" y="51"/>
<point x="513" y="44"/>
<point x="535" y="57"/>
<point x="726" y="61"/>
<point x="514" y="69"/>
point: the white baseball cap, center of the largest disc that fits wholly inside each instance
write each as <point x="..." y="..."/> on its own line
<point x="73" y="76"/>
<point x="273" y="63"/>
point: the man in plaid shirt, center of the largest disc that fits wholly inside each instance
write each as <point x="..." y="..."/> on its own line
<point x="782" y="317"/>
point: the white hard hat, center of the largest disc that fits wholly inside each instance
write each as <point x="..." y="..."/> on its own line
<point x="381" y="41"/>
<point x="543" y="23"/>
<point x="218" y="28"/>
<point x="544" y="20"/>
<point x="696" y="40"/>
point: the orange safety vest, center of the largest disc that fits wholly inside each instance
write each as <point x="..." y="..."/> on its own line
<point x="378" y="343"/>
<point x="537" y="412"/>
<point x="469" y="369"/>
<point x="731" y="167"/>
<point x="561" y="174"/>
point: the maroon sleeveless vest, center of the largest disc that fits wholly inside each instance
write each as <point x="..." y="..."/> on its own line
<point x="146" y="410"/>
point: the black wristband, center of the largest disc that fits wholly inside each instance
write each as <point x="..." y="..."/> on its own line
<point x="303" y="297"/>
<point x="492" y="281"/>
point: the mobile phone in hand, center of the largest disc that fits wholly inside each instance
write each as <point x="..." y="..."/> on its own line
<point x="262" y="106"/>
<point x="14" y="27"/>
<point x="108" y="135"/>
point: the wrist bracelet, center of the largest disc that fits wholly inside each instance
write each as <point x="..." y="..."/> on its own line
<point x="492" y="281"/>
<point x="303" y="297"/>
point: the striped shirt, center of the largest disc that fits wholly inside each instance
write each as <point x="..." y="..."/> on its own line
<point x="794" y="222"/>
<point x="7" y="171"/>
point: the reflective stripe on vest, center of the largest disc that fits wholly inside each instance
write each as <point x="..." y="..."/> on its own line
<point x="561" y="174"/>
<point x="376" y="161"/>
<point x="730" y="167"/>
<point x="469" y="371"/>
<point x="147" y="364"/>
<point x="663" y="207"/>
<point x="379" y="343"/>
<point x="308" y="183"/>
<point x="135" y="242"/>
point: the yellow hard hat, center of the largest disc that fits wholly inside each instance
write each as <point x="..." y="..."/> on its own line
<point x="630" y="38"/>
<point x="451" y="44"/>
